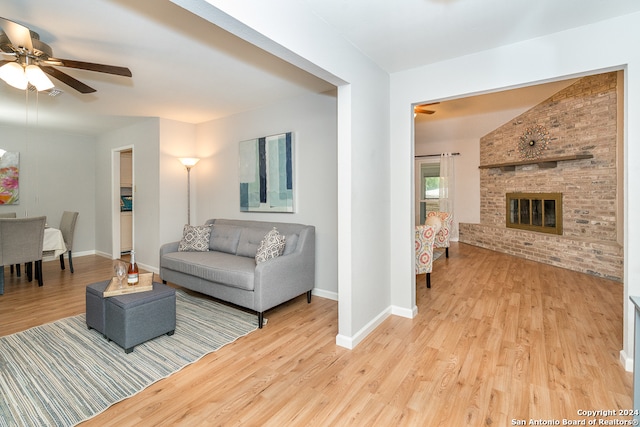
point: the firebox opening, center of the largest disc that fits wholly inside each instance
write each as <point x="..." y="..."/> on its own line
<point x="540" y="212"/>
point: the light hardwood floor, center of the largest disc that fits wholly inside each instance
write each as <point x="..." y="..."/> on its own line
<point x="497" y="340"/>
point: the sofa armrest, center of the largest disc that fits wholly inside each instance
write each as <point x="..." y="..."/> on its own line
<point x="281" y="279"/>
<point x="168" y="248"/>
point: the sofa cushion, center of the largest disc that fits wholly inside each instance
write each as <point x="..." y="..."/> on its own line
<point x="224" y="238"/>
<point x="271" y="246"/>
<point x="220" y="267"/>
<point x="291" y="242"/>
<point x="195" y="238"/>
<point x="250" y="239"/>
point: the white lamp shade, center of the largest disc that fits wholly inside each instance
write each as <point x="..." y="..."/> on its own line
<point x="189" y="161"/>
<point x="37" y="77"/>
<point x="13" y="74"/>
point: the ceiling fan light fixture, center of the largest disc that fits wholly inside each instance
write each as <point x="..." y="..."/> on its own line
<point x="13" y="74"/>
<point x="38" y="78"/>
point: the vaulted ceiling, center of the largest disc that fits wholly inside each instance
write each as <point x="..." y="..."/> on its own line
<point x="186" y="69"/>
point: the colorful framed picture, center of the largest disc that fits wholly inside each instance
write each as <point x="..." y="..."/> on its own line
<point x="9" y="178"/>
<point x="266" y="174"/>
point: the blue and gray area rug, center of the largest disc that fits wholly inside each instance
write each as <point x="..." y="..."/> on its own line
<point x="62" y="373"/>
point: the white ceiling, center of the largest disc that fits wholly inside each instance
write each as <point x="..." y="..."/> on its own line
<point x="399" y="35"/>
<point x="473" y="117"/>
<point x="167" y="49"/>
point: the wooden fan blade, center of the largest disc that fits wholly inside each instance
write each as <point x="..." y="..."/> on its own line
<point x="422" y="109"/>
<point x="419" y="109"/>
<point x="101" y="68"/>
<point x="18" y="35"/>
<point x="67" y="79"/>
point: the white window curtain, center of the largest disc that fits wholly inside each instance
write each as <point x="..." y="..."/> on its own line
<point x="447" y="182"/>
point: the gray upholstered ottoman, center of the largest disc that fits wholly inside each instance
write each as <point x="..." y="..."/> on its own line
<point x="131" y="319"/>
<point x="95" y="306"/>
<point x="135" y="318"/>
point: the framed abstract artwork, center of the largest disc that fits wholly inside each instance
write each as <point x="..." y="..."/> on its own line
<point x="9" y="174"/>
<point x="266" y="174"/>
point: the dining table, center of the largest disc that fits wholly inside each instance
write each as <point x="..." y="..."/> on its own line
<point x="53" y="244"/>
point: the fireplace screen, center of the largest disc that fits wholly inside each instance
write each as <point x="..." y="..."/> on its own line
<point x="535" y="211"/>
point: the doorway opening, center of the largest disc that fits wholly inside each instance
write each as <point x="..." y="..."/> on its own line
<point x="446" y="129"/>
<point x="123" y="206"/>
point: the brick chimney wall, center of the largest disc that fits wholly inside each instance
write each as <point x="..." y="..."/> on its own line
<point x="581" y="119"/>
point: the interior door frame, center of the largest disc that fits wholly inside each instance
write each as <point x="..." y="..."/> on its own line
<point x="115" y="199"/>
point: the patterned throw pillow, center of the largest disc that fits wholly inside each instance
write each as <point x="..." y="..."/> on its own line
<point x="195" y="238"/>
<point x="271" y="246"/>
<point x="435" y="222"/>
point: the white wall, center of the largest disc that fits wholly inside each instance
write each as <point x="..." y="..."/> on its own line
<point x="144" y="137"/>
<point x="56" y="175"/>
<point x="177" y="139"/>
<point x="598" y="47"/>
<point x="312" y="119"/>
<point x="287" y="29"/>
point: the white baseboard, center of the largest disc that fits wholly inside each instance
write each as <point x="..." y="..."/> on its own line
<point x="627" y="362"/>
<point x="325" y="294"/>
<point x="149" y="268"/>
<point x="84" y="253"/>
<point x="344" y="341"/>
<point x="103" y="254"/>
<point x="351" y="342"/>
<point x="404" y="312"/>
<point x="75" y="255"/>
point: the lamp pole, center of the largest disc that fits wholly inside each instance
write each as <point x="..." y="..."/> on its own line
<point x="188" y="163"/>
<point x="188" y="194"/>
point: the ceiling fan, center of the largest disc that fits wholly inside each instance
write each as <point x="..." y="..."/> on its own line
<point x="422" y="109"/>
<point x="33" y="58"/>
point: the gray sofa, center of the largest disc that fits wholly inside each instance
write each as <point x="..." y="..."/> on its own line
<point x="228" y="271"/>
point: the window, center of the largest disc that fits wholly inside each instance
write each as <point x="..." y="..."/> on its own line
<point x="429" y="188"/>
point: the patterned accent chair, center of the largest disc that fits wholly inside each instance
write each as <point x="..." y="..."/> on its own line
<point x="442" y="237"/>
<point x="425" y="237"/>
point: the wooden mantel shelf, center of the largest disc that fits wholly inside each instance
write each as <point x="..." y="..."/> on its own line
<point x="547" y="163"/>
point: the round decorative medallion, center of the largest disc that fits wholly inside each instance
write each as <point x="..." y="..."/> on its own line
<point x="533" y="142"/>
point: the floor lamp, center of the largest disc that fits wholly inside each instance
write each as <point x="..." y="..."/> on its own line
<point x="188" y="163"/>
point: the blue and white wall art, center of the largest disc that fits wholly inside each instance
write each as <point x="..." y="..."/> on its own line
<point x="266" y="174"/>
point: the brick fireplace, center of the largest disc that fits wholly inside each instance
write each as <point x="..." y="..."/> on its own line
<point x="580" y="162"/>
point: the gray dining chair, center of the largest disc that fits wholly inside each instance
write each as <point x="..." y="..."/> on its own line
<point x="11" y="215"/>
<point x="67" y="227"/>
<point x="21" y="241"/>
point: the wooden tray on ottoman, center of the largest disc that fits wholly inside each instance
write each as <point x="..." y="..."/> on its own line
<point x="145" y="283"/>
